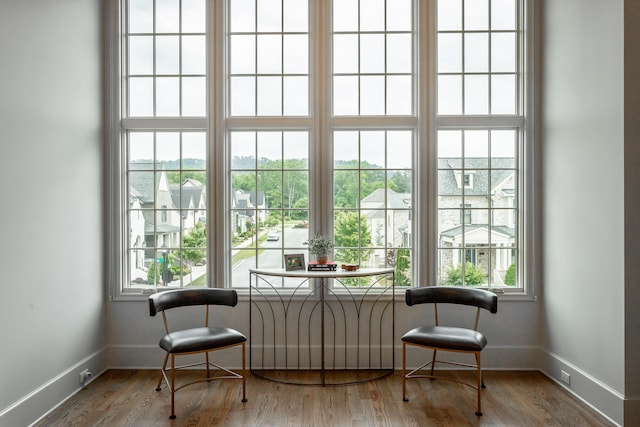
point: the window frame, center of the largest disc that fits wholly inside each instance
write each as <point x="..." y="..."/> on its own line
<point x="424" y="121"/>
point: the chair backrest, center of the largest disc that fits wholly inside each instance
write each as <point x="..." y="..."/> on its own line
<point x="184" y="297"/>
<point x="453" y="295"/>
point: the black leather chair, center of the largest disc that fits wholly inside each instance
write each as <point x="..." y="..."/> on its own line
<point x="447" y="338"/>
<point x="198" y="339"/>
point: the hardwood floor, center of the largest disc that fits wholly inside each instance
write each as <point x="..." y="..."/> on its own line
<point x="128" y="398"/>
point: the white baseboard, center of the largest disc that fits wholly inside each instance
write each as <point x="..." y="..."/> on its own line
<point x="47" y="397"/>
<point x="593" y="392"/>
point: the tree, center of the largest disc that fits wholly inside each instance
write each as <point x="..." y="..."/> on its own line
<point x="196" y="238"/>
<point x="472" y="275"/>
<point x="510" y="276"/>
<point x="351" y="231"/>
<point x="400" y="182"/>
<point x="403" y="264"/>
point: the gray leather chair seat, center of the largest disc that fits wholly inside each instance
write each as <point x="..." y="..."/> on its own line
<point x="448" y="337"/>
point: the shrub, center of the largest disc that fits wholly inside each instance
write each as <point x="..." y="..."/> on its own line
<point x="510" y="276"/>
<point x="472" y="275"/>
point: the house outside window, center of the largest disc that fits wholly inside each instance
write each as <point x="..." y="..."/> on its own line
<point x="241" y="119"/>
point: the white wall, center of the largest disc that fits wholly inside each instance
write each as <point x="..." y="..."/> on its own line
<point x="583" y="198"/>
<point x="51" y="308"/>
<point x="632" y="207"/>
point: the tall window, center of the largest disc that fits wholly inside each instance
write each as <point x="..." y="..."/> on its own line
<point x="480" y="118"/>
<point x="249" y="125"/>
<point x="165" y="143"/>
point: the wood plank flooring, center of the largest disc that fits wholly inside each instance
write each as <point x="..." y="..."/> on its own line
<point x="128" y="398"/>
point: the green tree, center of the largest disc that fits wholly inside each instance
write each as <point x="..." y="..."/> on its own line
<point x="510" y="276"/>
<point x="192" y="242"/>
<point x="472" y="275"/>
<point x="400" y="182"/>
<point x="243" y="181"/>
<point x="351" y="231"/>
<point x="178" y="177"/>
<point x="403" y="264"/>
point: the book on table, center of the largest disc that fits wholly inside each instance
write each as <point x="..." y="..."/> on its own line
<point x="327" y="266"/>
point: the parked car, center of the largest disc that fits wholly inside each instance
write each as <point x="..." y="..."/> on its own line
<point x="273" y="235"/>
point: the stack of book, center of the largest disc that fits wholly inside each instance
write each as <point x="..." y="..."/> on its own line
<point x="327" y="266"/>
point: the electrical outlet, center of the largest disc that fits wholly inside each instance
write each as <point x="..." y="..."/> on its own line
<point x="565" y="377"/>
<point x="85" y="375"/>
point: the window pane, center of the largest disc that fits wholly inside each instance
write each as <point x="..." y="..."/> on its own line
<point x="194" y="93"/>
<point x="243" y="96"/>
<point x="269" y="96"/>
<point x="269" y="54"/>
<point x="449" y="95"/>
<point x="377" y="59"/>
<point x="194" y="55"/>
<point x="345" y="15"/>
<point x="399" y="149"/>
<point x="168" y="96"/>
<point x="503" y="148"/>
<point x="372" y="95"/>
<point x="476" y="206"/>
<point x="167" y="16"/>
<point x="269" y="15"/>
<point x="399" y="15"/>
<point x="476" y="94"/>
<point x="372" y="202"/>
<point x="243" y="59"/>
<point x="449" y="15"/>
<point x="372" y="15"/>
<point x="372" y="150"/>
<point x="140" y="96"/>
<point x="449" y="53"/>
<point x="296" y="54"/>
<point x="503" y="52"/>
<point x="476" y="15"/>
<point x="296" y="16"/>
<point x="269" y="199"/>
<point x="296" y="150"/>
<point x="141" y="55"/>
<point x="167" y="219"/>
<point x="476" y="52"/>
<point x="503" y="94"/>
<point x="140" y="16"/>
<point x="399" y="53"/>
<point x="503" y="14"/>
<point x="372" y="53"/>
<point x="476" y="148"/>
<point x="296" y="96"/>
<point x="167" y="52"/>
<point x="345" y="93"/>
<point x="243" y="16"/>
<point x="345" y="53"/>
<point x="399" y="95"/>
<point x="269" y="72"/>
<point x="193" y="16"/>
<point x="194" y="151"/>
<point x="167" y="55"/>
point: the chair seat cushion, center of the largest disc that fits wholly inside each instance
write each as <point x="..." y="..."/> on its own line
<point x="446" y="337"/>
<point x="200" y="339"/>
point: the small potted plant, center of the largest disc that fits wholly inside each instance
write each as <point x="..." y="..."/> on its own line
<point x="320" y="246"/>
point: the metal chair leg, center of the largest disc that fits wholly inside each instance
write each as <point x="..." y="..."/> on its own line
<point x="479" y="411"/>
<point x="173" y="387"/>
<point x="244" y="375"/>
<point x="164" y="366"/>
<point x="433" y="361"/>
<point x="404" y="372"/>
